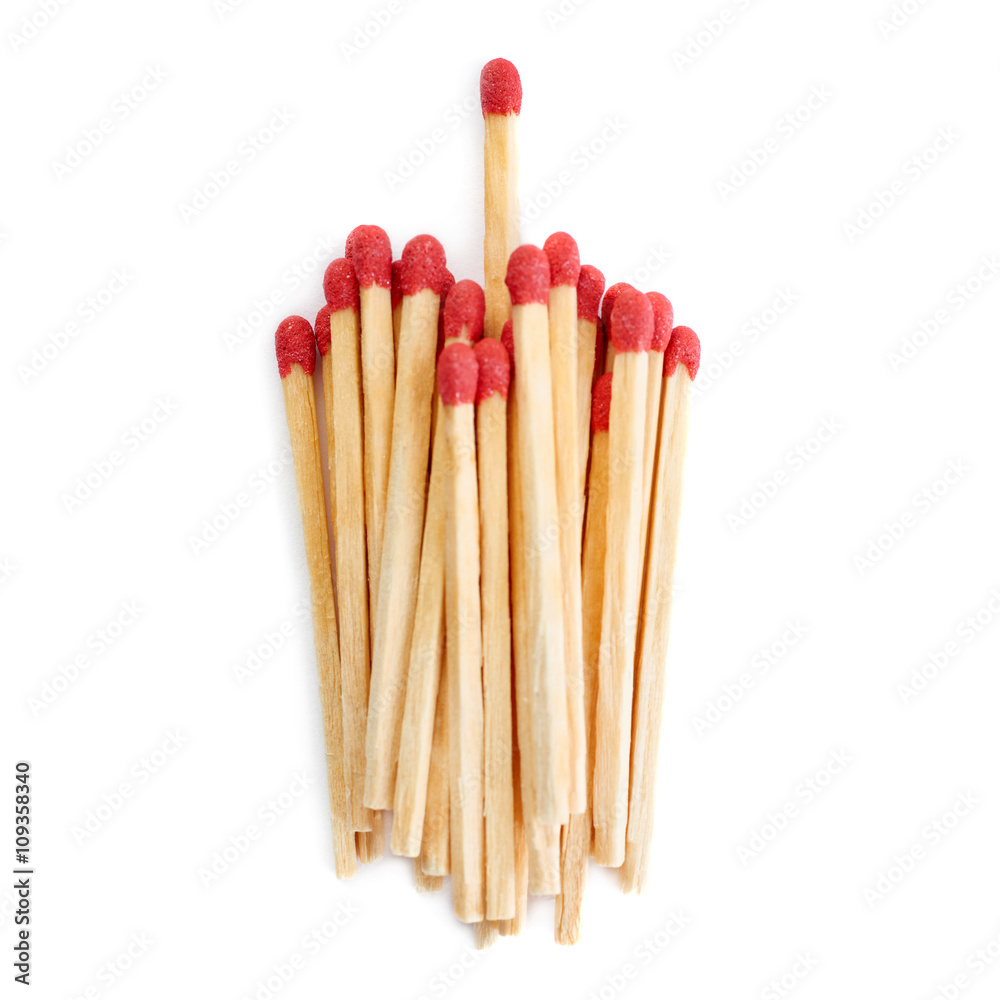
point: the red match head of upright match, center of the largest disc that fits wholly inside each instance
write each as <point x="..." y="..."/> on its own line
<point x="422" y="266"/>
<point x="322" y="328"/>
<point x="458" y="374"/>
<point x="631" y="322"/>
<point x="507" y="339"/>
<point x="494" y="369"/>
<point x="663" y="320"/>
<point x="500" y="88"/>
<point x="340" y="285"/>
<point x="464" y="309"/>
<point x="396" y="292"/>
<point x="684" y="349"/>
<point x="589" y="289"/>
<point x="610" y="297"/>
<point x="369" y="251"/>
<point x="600" y="407"/>
<point x="528" y="276"/>
<point x="564" y="259"/>
<point x="294" y="344"/>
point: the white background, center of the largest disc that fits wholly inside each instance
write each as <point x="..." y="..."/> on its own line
<point x="651" y="193"/>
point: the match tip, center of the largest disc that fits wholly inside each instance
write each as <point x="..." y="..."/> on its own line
<point x="600" y="407"/>
<point x="494" y="369"/>
<point x="422" y="266"/>
<point x="395" y="289"/>
<point x="368" y="249"/>
<point x="663" y="320"/>
<point x="507" y="339"/>
<point x="322" y="328"/>
<point x="340" y="285"/>
<point x="589" y="289"/>
<point x="447" y="284"/>
<point x="564" y="259"/>
<point x="464" y="309"/>
<point x="528" y="275"/>
<point x="500" y="88"/>
<point x="631" y="322"/>
<point x="458" y="374"/>
<point x="294" y="344"/>
<point x="610" y="296"/>
<point x="684" y="349"/>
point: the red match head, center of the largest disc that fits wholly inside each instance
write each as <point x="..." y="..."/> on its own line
<point x="458" y="374"/>
<point x="507" y="339"/>
<point x="589" y="289"/>
<point x="631" y="322"/>
<point x="684" y="349"/>
<point x="663" y="320"/>
<point x="610" y="296"/>
<point x="494" y="369"/>
<point x="500" y="88"/>
<point x="322" y="328"/>
<point x="600" y="407"/>
<point x="463" y="312"/>
<point x="369" y="251"/>
<point x="396" y="291"/>
<point x="422" y="266"/>
<point x="294" y="344"/>
<point x="446" y="286"/>
<point x="340" y="285"/>
<point x="528" y="276"/>
<point x="564" y="259"/>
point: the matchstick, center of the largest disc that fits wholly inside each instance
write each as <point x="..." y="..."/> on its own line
<point x="426" y="883"/>
<point x="663" y="323"/>
<point x="528" y="283"/>
<point x="458" y="374"/>
<point x="435" y="847"/>
<point x="491" y="460"/>
<point x="610" y="297"/>
<point x="296" y="352"/>
<point x="500" y="95"/>
<point x="631" y="332"/>
<point x="680" y="368"/>
<point x="338" y="345"/>
<point x="486" y="933"/>
<point x="589" y="289"/>
<point x="369" y="251"/>
<point x="461" y="319"/>
<point x="576" y="837"/>
<point x="564" y="271"/>
<point x="420" y="282"/>
<point x="371" y="843"/>
<point x="322" y="330"/>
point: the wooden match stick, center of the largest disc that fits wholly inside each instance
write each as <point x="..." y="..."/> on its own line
<point x="500" y="95"/>
<point x="528" y="283"/>
<point x="589" y="289"/>
<point x="369" y="251"/>
<point x="421" y="276"/>
<point x="461" y="319"/>
<point x="338" y="345"/>
<point x="426" y="883"/>
<point x="322" y="330"/>
<point x="491" y="459"/>
<point x="631" y="332"/>
<point x="458" y="374"/>
<point x="576" y="838"/>
<point x="435" y="848"/>
<point x="680" y="368"/>
<point x="295" y="348"/>
<point x="610" y="297"/>
<point x="663" y="323"/>
<point x="564" y="271"/>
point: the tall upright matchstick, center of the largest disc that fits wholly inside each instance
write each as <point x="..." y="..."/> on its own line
<point x="631" y="333"/>
<point x="295" y="348"/>
<point x="500" y="95"/>
<point x="680" y="366"/>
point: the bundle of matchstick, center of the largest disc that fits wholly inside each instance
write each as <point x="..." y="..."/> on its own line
<point x="504" y="515"/>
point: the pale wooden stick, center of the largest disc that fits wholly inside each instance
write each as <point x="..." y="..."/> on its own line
<point x="491" y="433"/>
<point x="513" y="927"/>
<point x="404" y="520"/>
<point x="296" y="348"/>
<point x="344" y="386"/>
<point x="322" y="330"/>
<point x="426" y="883"/>
<point x="631" y="329"/>
<point x="435" y="846"/>
<point x="371" y="843"/>
<point x="426" y="652"/>
<point x="500" y="92"/>
<point x="577" y="835"/>
<point x="486" y="933"/>
<point x="457" y="376"/>
<point x="655" y="622"/>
